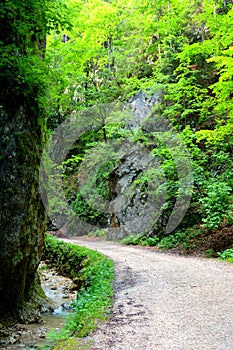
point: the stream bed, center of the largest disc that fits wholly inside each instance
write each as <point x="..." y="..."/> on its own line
<point x="60" y="292"/>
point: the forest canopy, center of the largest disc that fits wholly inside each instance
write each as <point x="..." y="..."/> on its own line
<point x="181" y="50"/>
<point x="144" y="82"/>
<point x="91" y="59"/>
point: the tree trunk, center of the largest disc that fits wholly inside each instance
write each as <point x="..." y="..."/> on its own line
<point x="22" y="217"/>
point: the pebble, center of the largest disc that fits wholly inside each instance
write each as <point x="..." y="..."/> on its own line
<point x="13" y="340"/>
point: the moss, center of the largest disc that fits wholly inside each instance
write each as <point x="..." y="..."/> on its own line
<point x="23" y="216"/>
<point x="22" y="82"/>
<point x="25" y="145"/>
<point x="17" y="257"/>
<point x="29" y="312"/>
<point x="37" y="289"/>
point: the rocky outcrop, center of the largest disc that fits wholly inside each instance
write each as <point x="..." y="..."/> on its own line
<point x="130" y="211"/>
<point x="141" y="105"/>
<point x="22" y="137"/>
<point x="22" y="215"/>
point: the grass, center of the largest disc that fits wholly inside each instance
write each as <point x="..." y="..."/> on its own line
<point x="93" y="274"/>
<point x="73" y="344"/>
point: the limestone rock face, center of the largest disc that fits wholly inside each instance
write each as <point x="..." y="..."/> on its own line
<point x="22" y="217"/>
<point x="131" y="209"/>
<point x="127" y="202"/>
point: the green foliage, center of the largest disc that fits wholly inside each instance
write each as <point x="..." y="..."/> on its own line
<point x="45" y="347"/>
<point x="142" y="240"/>
<point x="183" y="49"/>
<point x="114" y="50"/>
<point x="216" y="204"/>
<point x="168" y="242"/>
<point x="90" y="189"/>
<point x="99" y="233"/>
<point x="73" y="343"/>
<point x="226" y="255"/>
<point x="87" y="212"/>
<point x="93" y="303"/>
<point x="22" y="48"/>
<point x="181" y="238"/>
<point x="93" y="274"/>
<point x="210" y="253"/>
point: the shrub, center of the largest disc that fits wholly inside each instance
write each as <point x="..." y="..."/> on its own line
<point x="226" y="254"/>
<point x="216" y="204"/>
<point x="142" y="240"/>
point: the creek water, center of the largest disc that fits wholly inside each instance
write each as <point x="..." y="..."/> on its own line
<point x="59" y="293"/>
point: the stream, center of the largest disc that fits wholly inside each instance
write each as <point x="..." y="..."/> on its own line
<point x="60" y="292"/>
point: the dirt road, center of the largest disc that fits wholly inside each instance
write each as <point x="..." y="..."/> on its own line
<point x="165" y="301"/>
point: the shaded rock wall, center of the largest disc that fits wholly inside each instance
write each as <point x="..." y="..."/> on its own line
<point x="129" y="213"/>
<point x="21" y="210"/>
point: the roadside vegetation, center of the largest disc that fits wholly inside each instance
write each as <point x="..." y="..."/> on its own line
<point x="181" y="50"/>
<point x="88" y="59"/>
<point x="93" y="274"/>
<point x="194" y="241"/>
<point x="226" y="255"/>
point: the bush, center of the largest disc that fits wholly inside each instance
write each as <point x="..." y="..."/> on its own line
<point x="216" y="204"/>
<point x="226" y="254"/>
<point x="142" y="240"/>
<point x="168" y="242"/>
<point x="179" y="237"/>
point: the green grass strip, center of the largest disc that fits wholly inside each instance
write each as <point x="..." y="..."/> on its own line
<point x="93" y="274"/>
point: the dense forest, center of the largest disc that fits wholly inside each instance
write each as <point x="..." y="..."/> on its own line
<point x="177" y="54"/>
<point x="135" y="101"/>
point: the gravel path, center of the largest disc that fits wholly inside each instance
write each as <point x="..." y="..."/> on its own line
<point x="165" y="301"/>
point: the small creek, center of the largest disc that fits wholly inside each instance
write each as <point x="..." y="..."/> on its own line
<point x="60" y="292"/>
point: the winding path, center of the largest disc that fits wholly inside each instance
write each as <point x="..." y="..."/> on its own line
<point x="166" y="301"/>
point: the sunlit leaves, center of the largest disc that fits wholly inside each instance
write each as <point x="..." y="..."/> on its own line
<point x="223" y="89"/>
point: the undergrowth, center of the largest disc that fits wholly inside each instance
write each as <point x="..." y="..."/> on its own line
<point x="101" y="233"/>
<point x="93" y="274"/>
<point x="226" y="255"/>
<point x="142" y="240"/>
<point x="179" y="238"/>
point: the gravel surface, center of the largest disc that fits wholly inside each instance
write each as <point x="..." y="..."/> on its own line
<point x="165" y="301"/>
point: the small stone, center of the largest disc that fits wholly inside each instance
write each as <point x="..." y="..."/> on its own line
<point x="12" y="340"/>
<point x="4" y="332"/>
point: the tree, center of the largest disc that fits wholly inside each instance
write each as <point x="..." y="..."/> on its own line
<point x="22" y="219"/>
<point x="183" y="49"/>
